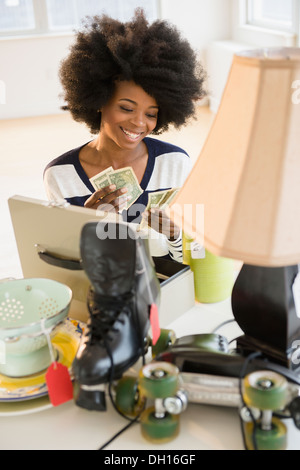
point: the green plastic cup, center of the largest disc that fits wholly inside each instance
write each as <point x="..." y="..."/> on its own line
<point x="213" y="275"/>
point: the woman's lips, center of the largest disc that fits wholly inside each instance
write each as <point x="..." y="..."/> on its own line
<point x="132" y="135"/>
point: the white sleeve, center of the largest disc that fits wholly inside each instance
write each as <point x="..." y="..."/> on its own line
<point x="52" y="189"/>
<point x="62" y="181"/>
<point x="175" y="249"/>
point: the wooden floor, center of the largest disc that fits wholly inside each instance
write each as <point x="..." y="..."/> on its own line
<point x="27" y="145"/>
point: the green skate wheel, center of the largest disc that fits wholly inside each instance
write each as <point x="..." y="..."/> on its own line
<point x="159" y="430"/>
<point x="158" y="380"/>
<point x="265" y="390"/>
<point x="274" y="439"/>
<point x="128" y="399"/>
<point x="166" y="338"/>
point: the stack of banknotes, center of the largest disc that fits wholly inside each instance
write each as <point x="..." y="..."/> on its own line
<point x="125" y="177"/>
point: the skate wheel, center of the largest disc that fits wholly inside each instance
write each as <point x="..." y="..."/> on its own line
<point x="128" y="399"/>
<point x="274" y="439"/>
<point x="166" y="338"/>
<point x="158" y="380"/>
<point x="159" y="430"/>
<point x="265" y="390"/>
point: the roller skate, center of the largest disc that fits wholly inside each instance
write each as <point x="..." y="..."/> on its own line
<point x="208" y="373"/>
<point x="123" y="287"/>
<point x="156" y="394"/>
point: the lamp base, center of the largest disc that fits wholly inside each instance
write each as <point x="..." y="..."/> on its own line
<point x="264" y="307"/>
<point x="289" y="359"/>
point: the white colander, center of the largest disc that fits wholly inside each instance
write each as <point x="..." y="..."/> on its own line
<point x="28" y="307"/>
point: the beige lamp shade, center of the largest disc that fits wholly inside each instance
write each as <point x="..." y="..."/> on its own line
<point x="247" y="176"/>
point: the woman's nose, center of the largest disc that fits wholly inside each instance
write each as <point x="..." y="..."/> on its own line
<point x="138" y="119"/>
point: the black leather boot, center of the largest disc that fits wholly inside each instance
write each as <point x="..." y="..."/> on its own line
<point x="123" y="287"/>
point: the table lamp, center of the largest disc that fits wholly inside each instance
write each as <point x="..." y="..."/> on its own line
<point x="247" y="177"/>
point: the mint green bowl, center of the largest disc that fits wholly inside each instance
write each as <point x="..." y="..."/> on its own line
<point x="28" y="307"/>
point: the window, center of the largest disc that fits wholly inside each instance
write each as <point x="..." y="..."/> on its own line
<point x="271" y="14"/>
<point x="266" y="23"/>
<point x="16" y="15"/>
<point x="51" y="16"/>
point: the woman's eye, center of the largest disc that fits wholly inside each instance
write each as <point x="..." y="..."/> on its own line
<point x="129" y="110"/>
<point x="126" y="109"/>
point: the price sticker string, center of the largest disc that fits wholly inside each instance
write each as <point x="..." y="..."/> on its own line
<point x="50" y="346"/>
<point x="58" y="380"/>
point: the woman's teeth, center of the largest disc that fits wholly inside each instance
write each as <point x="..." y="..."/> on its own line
<point x="132" y="135"/>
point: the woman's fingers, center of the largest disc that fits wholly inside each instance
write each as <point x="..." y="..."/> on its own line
<point x="108" y="196"/>
<point x="160" y="222"/>
<point x="96" y="198"/>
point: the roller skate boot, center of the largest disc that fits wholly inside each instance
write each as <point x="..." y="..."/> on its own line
<point x="123" y="287"/>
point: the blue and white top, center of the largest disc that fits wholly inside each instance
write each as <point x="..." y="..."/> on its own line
<point x="168" y="167"/>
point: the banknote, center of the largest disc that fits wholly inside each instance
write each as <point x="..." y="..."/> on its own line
<point x="160" y="200"/>
<point x="125" y="178"/>
<point x="101" y="180"/>
<point x="122" y="178"/>
<point x="155" y="198"/>
<point x="168" y="197"/>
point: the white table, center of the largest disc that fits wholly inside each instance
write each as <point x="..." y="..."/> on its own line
<point x="68" y="427"/>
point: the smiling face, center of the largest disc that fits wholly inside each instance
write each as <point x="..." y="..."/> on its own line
<point x="128" y="117"/>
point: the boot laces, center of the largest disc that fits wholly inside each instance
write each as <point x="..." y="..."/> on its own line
<point x="105" y="313"/>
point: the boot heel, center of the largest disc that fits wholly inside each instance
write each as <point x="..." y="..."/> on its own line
<point x="93" y="400"/>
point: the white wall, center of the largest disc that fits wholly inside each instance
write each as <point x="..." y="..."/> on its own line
<point x="29" y="66"/>
<point x="201" y="21"/>
<point x="219" y="53"/>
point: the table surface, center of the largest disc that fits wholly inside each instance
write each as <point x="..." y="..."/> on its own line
<point x="68" y="427"/>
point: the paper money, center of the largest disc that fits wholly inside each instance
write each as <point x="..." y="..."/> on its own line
<point x="160" y="200"/>
<point x="169" y="196"/>
<point x="101" y="180"/>
<point x="123" y="178"/>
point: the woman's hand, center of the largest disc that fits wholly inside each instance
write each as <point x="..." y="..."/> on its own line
<point x="159" y="221"/>
<point x="107" y="199"/>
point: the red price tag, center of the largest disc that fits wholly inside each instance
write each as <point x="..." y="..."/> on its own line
<point x="154" y="321"/>
<point x="60" y="388"/>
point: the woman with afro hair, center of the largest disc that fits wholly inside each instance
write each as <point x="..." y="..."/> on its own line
<point x="126" y="81"/>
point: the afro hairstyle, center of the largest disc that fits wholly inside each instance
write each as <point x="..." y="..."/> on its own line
<point x="154" y="56"/>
